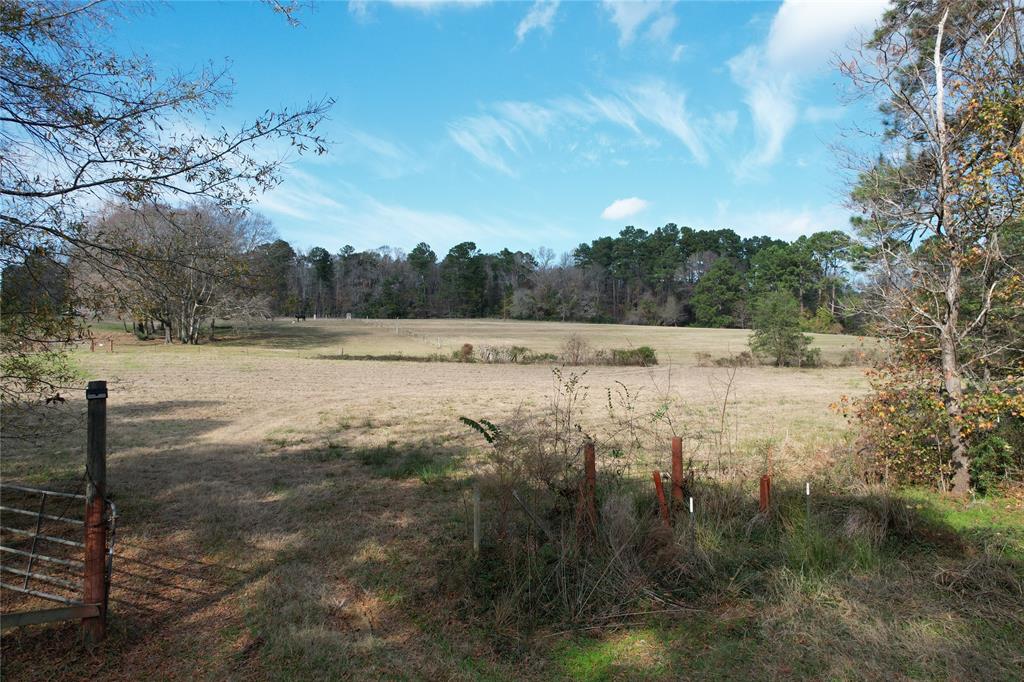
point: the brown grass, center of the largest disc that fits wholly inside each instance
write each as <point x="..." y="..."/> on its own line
<point x="291" y="514"/>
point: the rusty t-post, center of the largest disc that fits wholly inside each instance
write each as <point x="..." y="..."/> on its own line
<point x="766" y="493"/>
<point x="677" y="472"/>
<point x="659" y="488"/>
<point x="94" y="629"/>
<point x="590" y="483"/>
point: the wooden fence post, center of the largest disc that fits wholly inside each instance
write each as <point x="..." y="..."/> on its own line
<point x="766" y="493"/>
<point x="94" y="629"/>
<point x="677" y="472"/>
<point x="590" y="483"/>
<point x="659" y="488"/>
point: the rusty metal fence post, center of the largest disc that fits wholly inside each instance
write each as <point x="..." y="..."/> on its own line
<point x="94" y="628"/>
<point x="765" y="493"/>
<point x="677" y="472"/>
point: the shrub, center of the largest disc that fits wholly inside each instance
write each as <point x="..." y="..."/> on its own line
<point x="575" y="351"/>
<point x="644" y="356"/>
<point x="744" y="359"/>
<point x="903" y="426"/>
<point x="464" y="354"/>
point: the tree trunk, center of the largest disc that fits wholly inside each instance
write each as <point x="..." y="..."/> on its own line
<point x="954" y="411"/>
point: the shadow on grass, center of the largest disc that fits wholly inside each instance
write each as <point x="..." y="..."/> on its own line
<point x="329" y="560"/>
<point x="731" y="593"/>
<point x="243" y="560"/>
<point x="283" y="335"/>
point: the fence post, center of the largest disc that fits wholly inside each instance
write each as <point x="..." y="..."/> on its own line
<point x="662" y="503"/>
<point x="766" y="493"/>
<point x="476" y="519"/>
<point x="590" y="484"/>
<point x="677" y="472"/>
<point x="94" y="629"/>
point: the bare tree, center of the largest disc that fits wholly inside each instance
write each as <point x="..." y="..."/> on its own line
<point x="81" y="126"/>
<point x="189" y="264"/>
<point x="942" y="202"/>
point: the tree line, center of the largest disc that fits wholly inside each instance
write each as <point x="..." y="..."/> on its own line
<point x="668" y="276"/>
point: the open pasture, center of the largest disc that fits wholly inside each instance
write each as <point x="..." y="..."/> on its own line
<point x="421" y="338"/>
<point x="289" y="516"/>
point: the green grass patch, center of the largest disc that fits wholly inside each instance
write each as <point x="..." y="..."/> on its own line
<point x="411" y="462"/>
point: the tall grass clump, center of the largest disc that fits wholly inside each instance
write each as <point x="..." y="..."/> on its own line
<point x="546" y="563"/>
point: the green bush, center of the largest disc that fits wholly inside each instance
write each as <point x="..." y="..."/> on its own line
<point x="998" y="456"/>
<point x="644" y="356"/>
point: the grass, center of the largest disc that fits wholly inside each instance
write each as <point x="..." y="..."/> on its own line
<point x="285" y="516"/>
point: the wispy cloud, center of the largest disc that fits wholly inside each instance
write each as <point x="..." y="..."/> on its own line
<point x="816" y="114"/>
<point x="666" y="108"/>
<point x="624" y="208"/>
<point x="508" y="129"/>
<point x="361" y="8"/>
<point x="803" y="36"/>
<point x="332" y="214"/>
<point x="781" y="222"/>
<point x="540" y="18"/>
<point x="630" y="17"/>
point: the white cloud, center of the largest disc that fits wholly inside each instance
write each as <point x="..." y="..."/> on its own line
<point x="360" y="9"/>
<point x="816" y="114"/>
<point x="487" y="139"/>
<point x="624" y="208"/>
<point x="806" y="33"/>
<point x="629" y="17"/>
<point x="677" y="53"/>
<point x="782" y="223"/>
<point x="509" y="129"/>
<point x="803" y="36"/>
<point x="331" y="214"/>
<point x="539" y="18"/>
<point x="666" y="108"/>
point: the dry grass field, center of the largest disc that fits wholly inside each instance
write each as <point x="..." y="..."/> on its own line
<point x="419" y="338"/>
<point x="284" y="515"/>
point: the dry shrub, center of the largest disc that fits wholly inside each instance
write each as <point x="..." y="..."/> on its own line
<point x="575" y="351"/>
<point x="743" y="359"/>
<point x="464" y="354"/>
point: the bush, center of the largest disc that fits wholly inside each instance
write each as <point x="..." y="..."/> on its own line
<point x="998" y="456"/>
<point x="644" y="356"/>
<point x="516" y="355"/>
<point x="464" y="354"/>
<point x="744" y="359"/>
<point x="575" y="351"/>
<point x="903" y="427"/>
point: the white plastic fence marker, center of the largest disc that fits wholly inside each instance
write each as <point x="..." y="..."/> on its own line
<point x="693" y="526"/>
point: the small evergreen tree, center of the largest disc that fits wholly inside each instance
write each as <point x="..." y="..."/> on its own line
<point x="777" y="332"/>
<point x="718" y="295"/>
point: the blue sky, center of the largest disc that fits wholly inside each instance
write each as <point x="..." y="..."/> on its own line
<point x="528" y="124"/>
